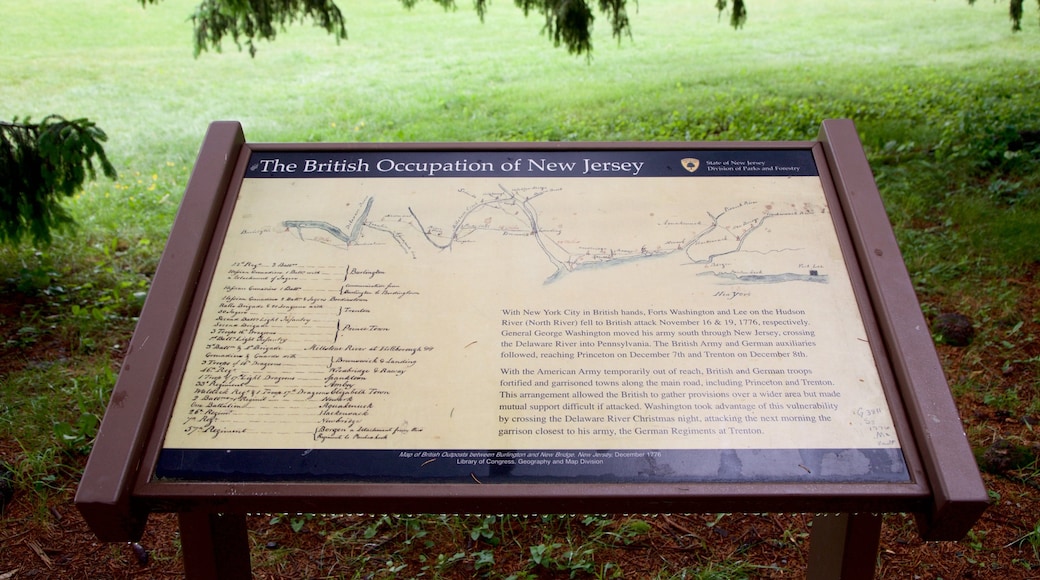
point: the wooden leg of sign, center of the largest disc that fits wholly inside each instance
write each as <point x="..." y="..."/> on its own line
<point x="844" y="546"/>
<point x="215" y="546"/>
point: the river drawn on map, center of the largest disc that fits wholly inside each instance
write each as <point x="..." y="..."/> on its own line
<point x="743" y="242"/>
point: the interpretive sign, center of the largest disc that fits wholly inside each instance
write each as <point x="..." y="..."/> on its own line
<point x="680" y="315"/>
<point x="531" y="328"/>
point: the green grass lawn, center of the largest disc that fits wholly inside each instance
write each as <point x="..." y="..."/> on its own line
<point x="944" y="95"/>
<point x="432" y="75"/>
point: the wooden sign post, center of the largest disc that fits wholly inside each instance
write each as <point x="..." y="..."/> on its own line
<point x="554" y="328"/>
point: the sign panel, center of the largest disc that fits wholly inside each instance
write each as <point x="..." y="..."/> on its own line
<point x="509" y="316"/>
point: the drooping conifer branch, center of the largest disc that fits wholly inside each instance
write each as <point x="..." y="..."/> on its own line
<point x="251" y="20"/>
<point x="1016" y="11"/>
<point x="738" y="16"/>
<point x="40" y="163"/>
<point x="568" y="23"/>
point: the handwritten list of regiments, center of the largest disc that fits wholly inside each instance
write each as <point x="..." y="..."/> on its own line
<point x="509" y="313"/>
<point x="281" y="353"/>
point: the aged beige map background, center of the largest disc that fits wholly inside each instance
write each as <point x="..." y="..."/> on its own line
<point x="505" y="313"/>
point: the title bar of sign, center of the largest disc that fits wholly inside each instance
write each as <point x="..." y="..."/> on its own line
<point x="413" y="164"/>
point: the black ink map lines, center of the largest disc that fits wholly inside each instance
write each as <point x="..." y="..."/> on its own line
<point x="591" y="237"/>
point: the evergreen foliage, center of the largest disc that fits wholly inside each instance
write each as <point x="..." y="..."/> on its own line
<point x="568" y="23"/>
<point x="738" y="16"/>
<point x="1015" y="12"/>
<point x="258" y="20"/>
<point x="39" y="164"/>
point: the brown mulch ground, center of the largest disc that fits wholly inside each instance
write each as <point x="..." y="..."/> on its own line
<point x="54" y="542"/>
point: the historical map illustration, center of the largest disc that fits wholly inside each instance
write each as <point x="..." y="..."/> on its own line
<point x="747" y="241"/>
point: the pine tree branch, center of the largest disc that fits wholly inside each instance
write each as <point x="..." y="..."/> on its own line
<point x="250" y="20"/>
<point x="40" y="163"/>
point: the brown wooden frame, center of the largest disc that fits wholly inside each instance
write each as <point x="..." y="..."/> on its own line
<point x="117" y="491"/>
